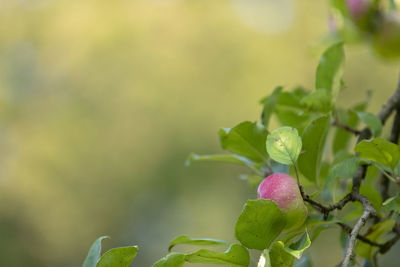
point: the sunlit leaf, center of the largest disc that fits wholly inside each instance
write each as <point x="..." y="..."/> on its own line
<point x="379" y="150"/>
<point x="121" y="257"/>
<point x="392" y="203"/>
<point x="183" y="239"/>
<point x="284" y="145"/>
<point x="236" y="255"/>
<point x="94" y="254"/>
<point x="260" y="222"/>
<point x="171" y="260"/>
<point x="313" y="139"/>
<point x="279" y="256"/>
<point x="246" y="139"/>
<point x="372" y="121"/>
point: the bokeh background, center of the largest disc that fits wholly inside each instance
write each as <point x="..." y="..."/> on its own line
<point x="102" y="101"/>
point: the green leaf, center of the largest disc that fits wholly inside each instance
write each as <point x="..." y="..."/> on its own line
<point x="379" y="150"/>
<point x="246" y="139"/>
<point x="297" y="248"/>
<point x="183" y="239"/>
<point x="260" y="222"/>
<point x="330" y="70"/>
<point x="375" y="234"/>
<point x="94" y="253"/>
<point x="230" y="158"/>
<point x="279" y="256"/>
<point x="171" y="260"/>
<point x="313" y="139"/>
<point x="121" y="257"/>
<point x="319" y="100"/>
<point x="344" y="169"/>
<point x="269" y="105"/>
<point x="372" y="122"/>
<point x="373" y="196"/>
<point x="284" y="145"/>
<point x="290" y="111"/>
<point x="236" y="255"/>
<point x="349" y="118"/>
<point x="392" y="203"/>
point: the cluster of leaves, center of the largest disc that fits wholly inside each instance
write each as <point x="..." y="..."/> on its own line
<point x="309" y="119"/>
<point x="316" y="143"/>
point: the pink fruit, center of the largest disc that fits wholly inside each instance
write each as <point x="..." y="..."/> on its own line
<point x="357" y="8"/>
<point x="284" y="191"/>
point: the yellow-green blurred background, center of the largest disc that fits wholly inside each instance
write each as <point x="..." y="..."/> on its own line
<point x="102" y="100"/>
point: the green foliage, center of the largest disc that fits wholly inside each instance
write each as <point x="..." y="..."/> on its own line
<point x="94" y="253"/>
<point x="236" y="255"/>
<point x="375" y="234"/>
<point x="392" y="204"/>
<point x="284" y="145"/>
<point x="330" y="70"/>
<point x="260" y="222"/>
<point x="380" y="151"/>
<point x="171" y="260"/>
<point x="372" y="122"/>
<point x="183" y="239"/>
<point x="328" y="172"/>
<point x="121" y="257"/>
<point x="313" y="139"/>
<point x="247" y="139"/>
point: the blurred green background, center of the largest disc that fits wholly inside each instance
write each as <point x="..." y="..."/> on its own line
<point x="102" y="101"/>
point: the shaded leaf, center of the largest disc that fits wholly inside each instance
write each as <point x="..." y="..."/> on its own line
<point x="183" y="239"/>
<point x="284" y="145"/>
<point x="94" y="253"/>
<point x="297" y="248"/>
<point x="372" y="122"/>
<point x="373" y="196"/>
<point x="375" y="234"/>
<point x="330" y="70"/>
<point x="305" y="261"/>
<point x="269" y="105"/>
<point x="236" y="255"/>
<point x="313" y="140"/>
<point x="260" y="222"/>
<point x="246" y="139"/>
<point x="121" y="257"/>
<point x="344" y="169"/>
<point x="318" y="100"/>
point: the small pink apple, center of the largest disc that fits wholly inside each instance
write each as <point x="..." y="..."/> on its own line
<point x="284" y="191"/>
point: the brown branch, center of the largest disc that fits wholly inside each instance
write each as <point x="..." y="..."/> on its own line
<point x="362" y="238"/>
<point x="347" y="128"/>
<point x="353" y="236"/>
<point x="394" y="138"/>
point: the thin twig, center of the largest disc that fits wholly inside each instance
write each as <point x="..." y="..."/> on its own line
<point x="347" y="128"/>
<point x="353" y="237"/>
<point x="362" y="238"/>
